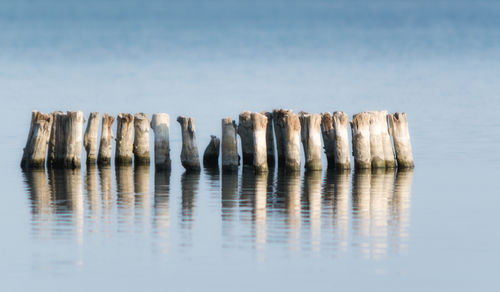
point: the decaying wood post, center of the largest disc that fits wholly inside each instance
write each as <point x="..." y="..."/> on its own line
<point x="160" y="123"/>
<point x="377" y="124"/>
<point x="342" y="153"/>
<point x="289" y="128"/>
<point x="55" y="155"/>
<point x="35" y="150"/>
<point x="311" y="139"/>
<point x="230" y="157"/>
<point x="90" y="137"/>
<point x="360" y="127"/>
<point x="270" y="139"/>
<point x="211" y="154"/>
<point x="280" y="150"/>
<point x="259" y="129"/>
<point x="390" y="160"/>
<point x="74" y="139"/>
<point x="328" y="133"/>
<point x="189" y="154"/>
<point x="105" y="146"/>
<point x="124" y="139"/>
<point x="141" y="139"/>
<point x="245" y="132"/>
<point x="401" y="138"/>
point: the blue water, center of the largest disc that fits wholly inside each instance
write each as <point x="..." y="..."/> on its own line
<point x="432" y="229"/>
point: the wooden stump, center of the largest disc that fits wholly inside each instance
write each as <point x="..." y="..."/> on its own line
<point x="35" y="150"/>
<point x="90" y="137"/>
<point x="360" y="127"/>
<point x="246" y="136"/>
<point x="141" y="139"/>
<point x="211" y="154"/>
<point x="189" y="154"/>
<point x="311" y="139"/>
<point x="271" y="159"/>
<point x="124" y="139"/>
<point x="289" y="128"/>
<point x="377" y="124"/>
<point x="73" y="139"/>
<point x="55" y="155"/>
<point x="259" y="129"/>
<point x="390" y="160"/>
<point x="342" y="153"/>
<point x="280" y="149"/>
<point x="328" y="133"/>
<point x="230" y="157"/>
<point x="105" y="146"/>
<point x="161" y="127"/>
<point x="401" y="138"/>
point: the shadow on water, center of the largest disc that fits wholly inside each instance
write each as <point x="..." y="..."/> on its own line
<point x="312" y="213"/>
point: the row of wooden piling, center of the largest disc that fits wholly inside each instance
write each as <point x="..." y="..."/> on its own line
<point x="56" y="140"/>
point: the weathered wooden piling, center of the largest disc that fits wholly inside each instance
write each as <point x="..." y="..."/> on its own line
<point x="328" y="134"/>
<point x="211" y="154"/>
<point x="401" y="138"/>
<point x="105" y="146"/>
<point x="55" y="154"/>
<point x="124" y="139"/>
<point x="270" y="139"/>
<point x="230" y="157"/>
<point x="35" y="150"/>
<point x="141" y="139"/>
<point x="289" y="130"/>
<point x="73" y="139"/>
<point x="246" y="136"/>
<point x="280" y="150"/>
<point x="311" y="139"/>
<point x="259" y="129"/>
<point x="189" y="154"/>
<point x="377" y="124"/>
<point x="360" y="127"/>
<point x="390" y="160"/>
<point x="342" y="153"/>
<point x="160" y="123"/>
<point x="90" y="137"/>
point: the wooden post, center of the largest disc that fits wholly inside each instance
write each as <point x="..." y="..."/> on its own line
<point x="124" y="139"/>
<point x="390" y="160"/>
<point x="289" y="128"/>
<point x="161" y="127"/>
<point x="141" y="139"/>
<point x="90" y="137"/>
<point x="230" y="157"/>
<point x="328" y="133"/>
<point x="342" y="153"/>
<point x="35" y="150"/>
<point x="259" y="128"/>
<point x="377" y="124"/>
<point x="55" y="155"/>
<point x="401" y="138"/>
<point x="211" y="154"/>
<point x="189" y="154"/>
<point x="280" y="150"/>
<point x="360" y="127"/>
<point x="74" y="139"/>
<point x="105" y="146"/>
<point x="311" y="139"/>
<point x="271" y="160"/>
<point x="245" y="132"/>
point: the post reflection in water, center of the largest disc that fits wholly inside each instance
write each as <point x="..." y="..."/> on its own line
<point x="125" y="196"/>
<point x="255" y="213"/>
<point x="92" y="196"/>
<point x="312" y="195"/>
<point x="161" y="221"/>
<point x="189" y="186"/>
<point x="229" y="193"/>
<point x="142" y="198"/>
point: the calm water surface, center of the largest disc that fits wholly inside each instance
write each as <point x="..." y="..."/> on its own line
<point x="433" y="229"/>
